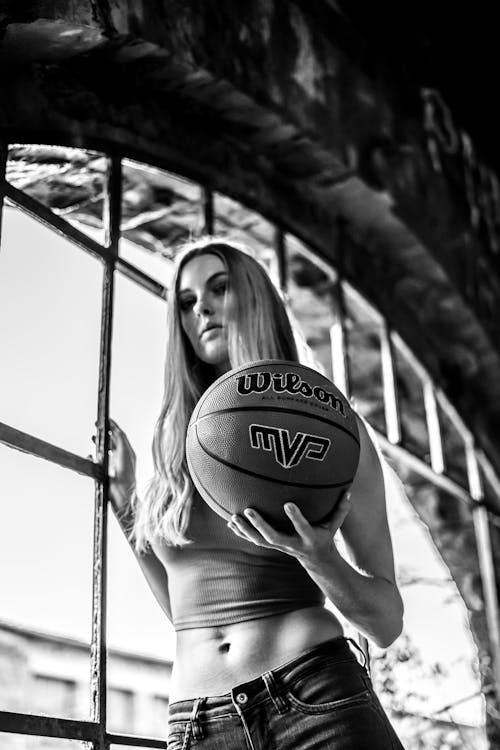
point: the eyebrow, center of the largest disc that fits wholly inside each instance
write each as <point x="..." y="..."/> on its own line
<point x="208" y="281"/>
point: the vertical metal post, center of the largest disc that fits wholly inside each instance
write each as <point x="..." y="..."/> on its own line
<point x="208" y="211"/>
<point x="391" y="410"/>
<point x="486" y="560"/>
<point x="433" y="427"/>
<point x="338" y="338"/>
<point x="98" y="684"/>
<point x="340" y="357"/>
<point x="281" y="255"/>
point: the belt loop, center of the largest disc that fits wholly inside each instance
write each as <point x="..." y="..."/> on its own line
<point x="280" y="703"/>
<point x="360" y="651"/>
<point x="195" y="723"/>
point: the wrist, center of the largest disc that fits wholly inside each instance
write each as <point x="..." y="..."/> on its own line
<point x="317" y="560"/>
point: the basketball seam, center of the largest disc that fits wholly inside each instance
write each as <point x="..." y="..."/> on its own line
<point x="250" y="473"/>
<point x="279" y="410"/>
<point x="194" y="473"/>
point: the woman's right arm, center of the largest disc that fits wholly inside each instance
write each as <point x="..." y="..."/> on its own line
<point x="121" y="493"/>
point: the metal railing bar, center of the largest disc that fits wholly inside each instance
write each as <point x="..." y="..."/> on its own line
<point x="452" y="415"/>
<point x="473" y="475"/>
<point x="48" y="726"/>
<point x="40" y="212"/>
<point x="489" y="471"/>
<point x="433" y="427"/>
<point x="410" y="357"/>
<point x="295" y="244"/>
<point x="149" y="169"/>
<point x="282" y="258"/>
<point x="371" y="312"/>
<point x="208" y="211"/>
<point x="136" y="741"/>
<point x="338" y="338"/>
<point x="391" y="406"/>
<point x="142" y="279"/>
<point x="423" y="469"/>
<point x="27" y="443"/>
<point x="98" y="677"/>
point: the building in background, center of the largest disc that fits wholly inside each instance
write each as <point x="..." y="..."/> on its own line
<point x="47" y="674"/>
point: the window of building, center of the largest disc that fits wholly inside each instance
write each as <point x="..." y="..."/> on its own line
<point x="121" y="716"/>
<point x="54" y="696"/>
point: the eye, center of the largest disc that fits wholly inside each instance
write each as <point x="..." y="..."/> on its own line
<point x="220" y="287"/>
<point x="185" y="304"/>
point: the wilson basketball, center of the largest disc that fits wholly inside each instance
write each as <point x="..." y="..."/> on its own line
<point x="269" y="432"/>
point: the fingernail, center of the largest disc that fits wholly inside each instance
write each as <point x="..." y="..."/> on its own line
<point x="249" y="513"/>
<point x="289" y="507"/>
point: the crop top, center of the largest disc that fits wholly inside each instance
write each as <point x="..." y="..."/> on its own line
<point x="220" y="578"/>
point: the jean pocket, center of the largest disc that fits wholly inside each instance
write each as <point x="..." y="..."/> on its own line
<point x="179" y="735"/>
<point x="335" y="687"/>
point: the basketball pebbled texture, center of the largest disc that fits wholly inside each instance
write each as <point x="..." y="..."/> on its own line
<point x="269" y="432"/>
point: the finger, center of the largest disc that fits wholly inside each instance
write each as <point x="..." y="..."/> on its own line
<point x="340" y="512"/>
<point x="300" y="522"/>
<point x="244" y="530"/>
<point x="268" y="532"/>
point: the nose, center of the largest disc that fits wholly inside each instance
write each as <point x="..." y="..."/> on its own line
<point x="202" y="306"/>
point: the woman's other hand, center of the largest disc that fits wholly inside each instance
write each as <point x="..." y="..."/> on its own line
<point x="307" y="544"/>
<point x="122" y="465"/>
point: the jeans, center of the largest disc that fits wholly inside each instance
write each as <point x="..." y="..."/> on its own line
<point x="322" y="699"/>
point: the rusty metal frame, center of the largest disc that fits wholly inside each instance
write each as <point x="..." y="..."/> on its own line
<point x="40" y="212"/>
<point x="27" y="443"/>
<point x="94" y="731"/>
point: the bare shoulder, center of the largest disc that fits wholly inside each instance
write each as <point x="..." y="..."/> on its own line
<point x="365" y="529"/>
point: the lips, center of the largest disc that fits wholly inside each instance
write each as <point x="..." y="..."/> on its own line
<point x="210" y="327"/>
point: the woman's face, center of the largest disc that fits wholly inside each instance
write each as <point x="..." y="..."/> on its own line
<point x="203" y="299"/>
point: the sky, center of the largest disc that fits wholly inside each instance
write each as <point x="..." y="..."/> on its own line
<point x="50" y="292"/>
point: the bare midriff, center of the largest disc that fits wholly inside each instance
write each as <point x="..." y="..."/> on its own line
<point x="211" y="661"/>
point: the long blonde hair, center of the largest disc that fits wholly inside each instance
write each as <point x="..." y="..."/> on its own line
<point x="258" y="329"/>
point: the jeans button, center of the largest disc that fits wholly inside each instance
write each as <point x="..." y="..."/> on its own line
<point x="242" y="698"/>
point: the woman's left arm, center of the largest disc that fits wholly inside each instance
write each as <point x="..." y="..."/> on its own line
<point x="364" y="592"/>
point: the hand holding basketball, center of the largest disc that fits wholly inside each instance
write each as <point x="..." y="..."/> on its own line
<point x="306" y="543"/>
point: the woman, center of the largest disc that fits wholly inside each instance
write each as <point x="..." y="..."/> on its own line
<point x="260" y="662"/>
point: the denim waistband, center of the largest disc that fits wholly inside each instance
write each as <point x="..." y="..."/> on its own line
<point x="268" y="684"/>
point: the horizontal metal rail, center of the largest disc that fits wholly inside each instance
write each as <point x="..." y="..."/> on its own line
<point x="13" y="722"/>
<point x="136" y="741"/>
<point x="27" y="443"/>
<point x="48" y="726"/>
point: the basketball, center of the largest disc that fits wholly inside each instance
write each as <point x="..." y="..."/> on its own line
<point x="269" y="432"/>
